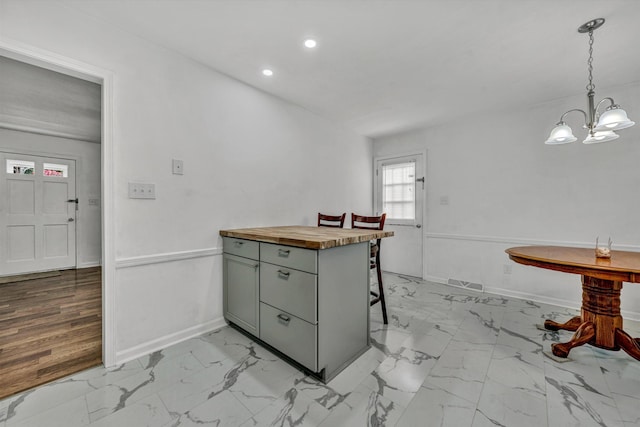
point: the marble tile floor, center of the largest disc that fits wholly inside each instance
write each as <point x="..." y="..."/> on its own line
<point x="449" y="357"/>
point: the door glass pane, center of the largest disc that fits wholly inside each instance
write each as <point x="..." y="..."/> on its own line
<point x="52" y="169"/>
<point x="399" y="190"/>
<point x="20" y="167"/>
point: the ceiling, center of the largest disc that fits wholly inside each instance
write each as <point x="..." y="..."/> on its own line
<point x="388" y="66"/>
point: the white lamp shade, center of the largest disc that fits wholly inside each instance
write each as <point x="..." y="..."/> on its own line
<point x="604" y="136"/>
<point x="561" y="134"/>
<point x="614" y="119"/>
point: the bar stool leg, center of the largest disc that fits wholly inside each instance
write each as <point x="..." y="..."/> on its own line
<point x="383" y="304"/>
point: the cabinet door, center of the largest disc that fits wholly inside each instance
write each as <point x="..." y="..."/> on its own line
<point x="241" y="279"/>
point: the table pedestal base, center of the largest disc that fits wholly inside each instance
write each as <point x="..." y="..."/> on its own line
<point x="600" y="322"/>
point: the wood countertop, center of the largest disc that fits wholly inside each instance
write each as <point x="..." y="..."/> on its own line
<point x="307" y="237"/>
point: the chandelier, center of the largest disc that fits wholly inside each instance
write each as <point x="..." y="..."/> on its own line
<point x="601" y="126"/>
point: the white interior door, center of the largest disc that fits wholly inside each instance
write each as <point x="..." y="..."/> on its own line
<point x="399" y="192"/>
<point x="37" y="214"/>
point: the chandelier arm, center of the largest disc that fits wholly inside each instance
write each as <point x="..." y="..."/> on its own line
<point x="575" y="109"/>
<point x="603" y="100"/>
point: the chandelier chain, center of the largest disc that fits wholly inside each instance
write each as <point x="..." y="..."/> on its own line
<point x="590" y="86"/>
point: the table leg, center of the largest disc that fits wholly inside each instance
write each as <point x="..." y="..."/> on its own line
<point x="585" y="333"/>
<point x="628" y="344"/>
<point x="601" y="306"/>
<point x="599" y="320"/>
<point x="571" y="325"/>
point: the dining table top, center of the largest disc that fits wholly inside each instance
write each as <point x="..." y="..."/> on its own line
<point x="622" y="265"/>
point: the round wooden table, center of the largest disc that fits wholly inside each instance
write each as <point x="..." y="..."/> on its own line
<point x="600" y="321"/>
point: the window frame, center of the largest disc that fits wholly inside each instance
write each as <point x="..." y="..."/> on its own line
<point x="419" y="193"/>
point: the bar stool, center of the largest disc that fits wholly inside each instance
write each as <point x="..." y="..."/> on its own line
<point x="373" y="223"/>
<point x="336" y="221"/>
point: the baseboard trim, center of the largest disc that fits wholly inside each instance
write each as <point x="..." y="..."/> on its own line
<point x="89" y="264"/>
<point x="626" y="314"/>
<point x="166" y="257"/>
<point x="532" y="297"/>
<point x="438" y="280"/>
<point x="519" y="241"/>
<point x="160" y="343"/>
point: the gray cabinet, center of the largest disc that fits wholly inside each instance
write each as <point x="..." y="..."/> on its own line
<point x="311" y="305"/>
<point x="288" y="302"/>
<point x="241" y="284"/>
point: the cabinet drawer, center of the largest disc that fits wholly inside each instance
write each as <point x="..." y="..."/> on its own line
<point x="289" y="256"/>
<point x="292" y="336"/>
<point x="290" y="290"/>
<point x="241" y="247"/>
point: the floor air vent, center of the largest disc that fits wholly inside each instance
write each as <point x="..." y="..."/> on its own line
<point x="466" y="285"/>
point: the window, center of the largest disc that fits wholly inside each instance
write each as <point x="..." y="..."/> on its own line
<point x="399" y="190"/>
<point x="52" y="169"/>
<point x="20" y="167"/>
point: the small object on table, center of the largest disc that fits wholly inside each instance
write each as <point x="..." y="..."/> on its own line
<point x="603" y="251"/>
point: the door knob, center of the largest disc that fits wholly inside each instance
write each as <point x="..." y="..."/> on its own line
<point x="418" y="225"/>
<point x="71" y="220"/>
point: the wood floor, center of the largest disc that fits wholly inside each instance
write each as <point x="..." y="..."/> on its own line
<point x="49" y="328"/>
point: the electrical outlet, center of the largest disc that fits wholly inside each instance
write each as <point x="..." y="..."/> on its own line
<point x="142" y="191"/>
<point x="178" y="167"/>
<point x="444" y="200"/>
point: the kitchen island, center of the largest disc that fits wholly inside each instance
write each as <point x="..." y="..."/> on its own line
<point x="303" y="291"/>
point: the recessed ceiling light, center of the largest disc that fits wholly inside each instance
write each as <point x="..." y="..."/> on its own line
<point x="267" y="72"/>
<point x="310" y="43"/>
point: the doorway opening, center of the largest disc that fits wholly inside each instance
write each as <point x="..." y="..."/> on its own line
<point x="55" y="244"/>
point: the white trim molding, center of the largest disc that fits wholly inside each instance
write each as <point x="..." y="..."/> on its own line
<point x="36" y="130"/>
<point x="168" y="340"/>
<point x="521" y="241"/>
<point x="532" y="297"/>
<point x="89" y="264"/>
<point x="626" y="314"/>
<point x="166" y="257"/>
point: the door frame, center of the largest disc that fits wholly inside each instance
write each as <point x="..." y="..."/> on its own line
<point x="400" y="154"/>
<point x="42" y="58"/>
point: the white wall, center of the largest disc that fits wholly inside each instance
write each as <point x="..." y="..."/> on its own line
<point x="87" y="157"/>
<point x="506" y="188"/>
<point x="249" y="160"/>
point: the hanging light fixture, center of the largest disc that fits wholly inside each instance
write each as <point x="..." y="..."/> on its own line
<point x="601" y="126"/>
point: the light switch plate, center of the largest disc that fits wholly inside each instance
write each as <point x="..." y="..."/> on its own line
<point x="142" y="191"/>
<point x="178" y="167"/>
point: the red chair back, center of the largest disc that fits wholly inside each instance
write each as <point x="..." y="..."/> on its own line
<point x="368" y="222"/>
<point x="336" y="221"/>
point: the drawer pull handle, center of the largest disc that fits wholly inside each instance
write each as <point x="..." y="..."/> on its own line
<point x="238" y="243"/>
<point x="283" y="252"/>
<point x="283" y="274"/>
<point x="284" y="318"/>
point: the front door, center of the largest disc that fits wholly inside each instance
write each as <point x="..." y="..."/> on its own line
<point x="399" y="192"/>
<point x="37" y="214"/>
